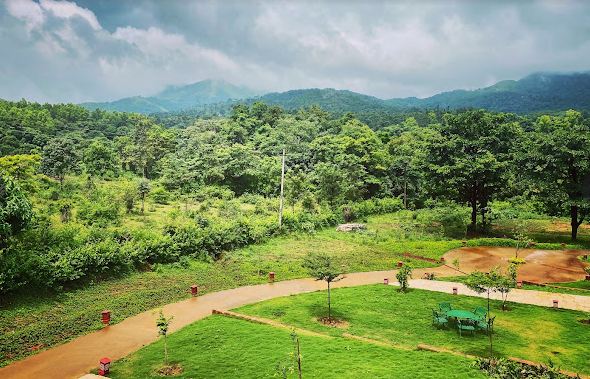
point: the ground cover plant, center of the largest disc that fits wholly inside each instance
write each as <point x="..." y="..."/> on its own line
<point x="382" y="313"/>
<point x="203" y="348"/>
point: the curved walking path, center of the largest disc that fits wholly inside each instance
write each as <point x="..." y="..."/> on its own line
<point x="82" y="354"/>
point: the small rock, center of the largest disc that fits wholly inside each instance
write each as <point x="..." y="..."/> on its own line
<point x="351" y="227"/>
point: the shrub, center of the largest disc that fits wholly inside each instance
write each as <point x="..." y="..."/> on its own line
<point x="160" y="195"/>
<point x="100" y="211"/>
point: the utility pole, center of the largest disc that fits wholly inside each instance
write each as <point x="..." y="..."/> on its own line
<point x="282" y="191"/>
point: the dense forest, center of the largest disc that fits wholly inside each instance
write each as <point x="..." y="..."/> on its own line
<point x="85" y="193"/>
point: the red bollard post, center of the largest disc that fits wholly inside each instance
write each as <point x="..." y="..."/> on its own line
<point x="555" y="304"/>
<point x="194" y="290"/>
<point x="271" y="277"/>
<point x="455" y="290"/>
<point x="587" y="277"/>
<point x="106" y="317"/>
<point x="442" y="260"/>
<point x="386" y="281"/>
<point x="400" y="263"/>
<point x="104" y="366"/>
<point x="519" y="284"/>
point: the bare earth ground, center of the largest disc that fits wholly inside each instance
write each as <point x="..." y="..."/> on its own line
<point x="542" y="266"/>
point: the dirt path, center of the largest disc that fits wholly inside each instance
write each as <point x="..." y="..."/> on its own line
<point x="82" y="354"/>
<point x="542" y="266"/>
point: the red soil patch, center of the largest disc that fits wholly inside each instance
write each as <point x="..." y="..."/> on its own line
<point x="542" y="266"/>
<point x="171" y="370"/>
<point x="334" y="323"/>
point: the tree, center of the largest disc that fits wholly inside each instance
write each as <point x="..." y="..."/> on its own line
<point x="100" y="159"/>
<point x="15" y="209"/>
<point x="163" y="324"/>
<point x="60" y="157"/>
<point x="23" y="169"/>
<point x="556" y="157"/>
<point x="143" y="189"/>
<point x="321" y="267"/>
<point x="469" y="161"/>
<point x="504" y="283"/>
<point x="402" y="276"/>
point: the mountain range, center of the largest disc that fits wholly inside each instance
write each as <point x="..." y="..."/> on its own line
<point x="178" y="98"/>
<point x="534" y="93"/>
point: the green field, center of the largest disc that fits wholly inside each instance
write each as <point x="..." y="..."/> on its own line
<point x="383" y="313"/>
<point x="220" y="347"/>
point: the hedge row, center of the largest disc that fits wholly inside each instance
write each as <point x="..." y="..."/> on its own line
<point x="55" y="256"/>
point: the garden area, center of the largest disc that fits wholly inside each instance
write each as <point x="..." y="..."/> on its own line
<point x="377" y="335"/>
<point x="30" y="323"/>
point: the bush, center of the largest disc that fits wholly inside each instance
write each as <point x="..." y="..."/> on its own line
<point x="160" y="195"/>
<point x="101" y="211"/>
<point x="504" y="368"/>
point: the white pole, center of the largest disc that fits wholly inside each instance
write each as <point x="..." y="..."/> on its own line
<point x="282" y="190"/>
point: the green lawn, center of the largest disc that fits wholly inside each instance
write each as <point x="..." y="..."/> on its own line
<point x="220" y="347"/>
<point x="30" y="322"/>
<point x="382" y="313"/>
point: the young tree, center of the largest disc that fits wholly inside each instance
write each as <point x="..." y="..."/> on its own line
<point x="469" y="161"/>
<point x="402" y="276"/>
<point x="143" y="189"/>
<point x="321" y="267"/>
<point x="23" y="169"/>
<point x="163" y="324"/>
<point x="60" y="157"/>
<point x="556" y="157"/>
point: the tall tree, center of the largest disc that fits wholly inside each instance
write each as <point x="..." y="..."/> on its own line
<point x="100" y="158"/>
<point x="556" y="155"/>
<point x="469" y="160"/>
<point x="60" y="157"/>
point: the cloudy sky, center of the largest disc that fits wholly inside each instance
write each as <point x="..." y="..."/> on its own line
<point x="95" y="50"/>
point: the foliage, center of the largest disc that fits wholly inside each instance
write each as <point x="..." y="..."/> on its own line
<point x="403" y="275"/>
<point x="321" y="267"/>
<point x="500" y="368"/>
<point x="15" y="210"/>
<point x="556" y="157"/>
<point x="60" y="158"/>
<point x="163" y="324"/>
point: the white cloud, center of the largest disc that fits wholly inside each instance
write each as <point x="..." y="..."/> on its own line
<point x="26" y="10"/>
<point x="66" y="10"/>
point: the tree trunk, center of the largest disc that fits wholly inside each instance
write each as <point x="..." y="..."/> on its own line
<point x="574" y="221"/>
<point x="473" y="215"/>
<point x="329" y="305"/>
<point x="142" y="204"/>
<point x="405" y="194"/>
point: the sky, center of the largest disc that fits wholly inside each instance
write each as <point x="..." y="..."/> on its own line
<point x="97" y="50"/>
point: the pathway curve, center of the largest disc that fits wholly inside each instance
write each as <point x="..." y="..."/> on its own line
<point x="82" y="354"/>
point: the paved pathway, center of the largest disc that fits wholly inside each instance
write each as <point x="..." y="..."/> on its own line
<point x="542" y="298"/>
<point x="80" y="355"/>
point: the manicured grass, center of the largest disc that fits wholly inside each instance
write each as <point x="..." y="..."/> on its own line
<point x="383" y="313"/>
<point x="581" y="287"/>
<point x="220" y="347"/>
<point x="30" y="322"/>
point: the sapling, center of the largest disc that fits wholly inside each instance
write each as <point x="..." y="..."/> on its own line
<point x="321" y="267"/>
<point x="163" y="324"/>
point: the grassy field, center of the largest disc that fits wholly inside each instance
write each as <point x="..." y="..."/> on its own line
<point x="30" y="322"/>
<point x="219" y="347"/>
<point x="383" y="313"/>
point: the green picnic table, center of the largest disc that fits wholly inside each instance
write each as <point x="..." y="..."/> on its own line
<point x="462" y="315"/>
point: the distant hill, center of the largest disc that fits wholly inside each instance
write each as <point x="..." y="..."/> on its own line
<point x="534" y="93"/>
<point x="540" y="92"/>
<point x="177" y="98"/>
